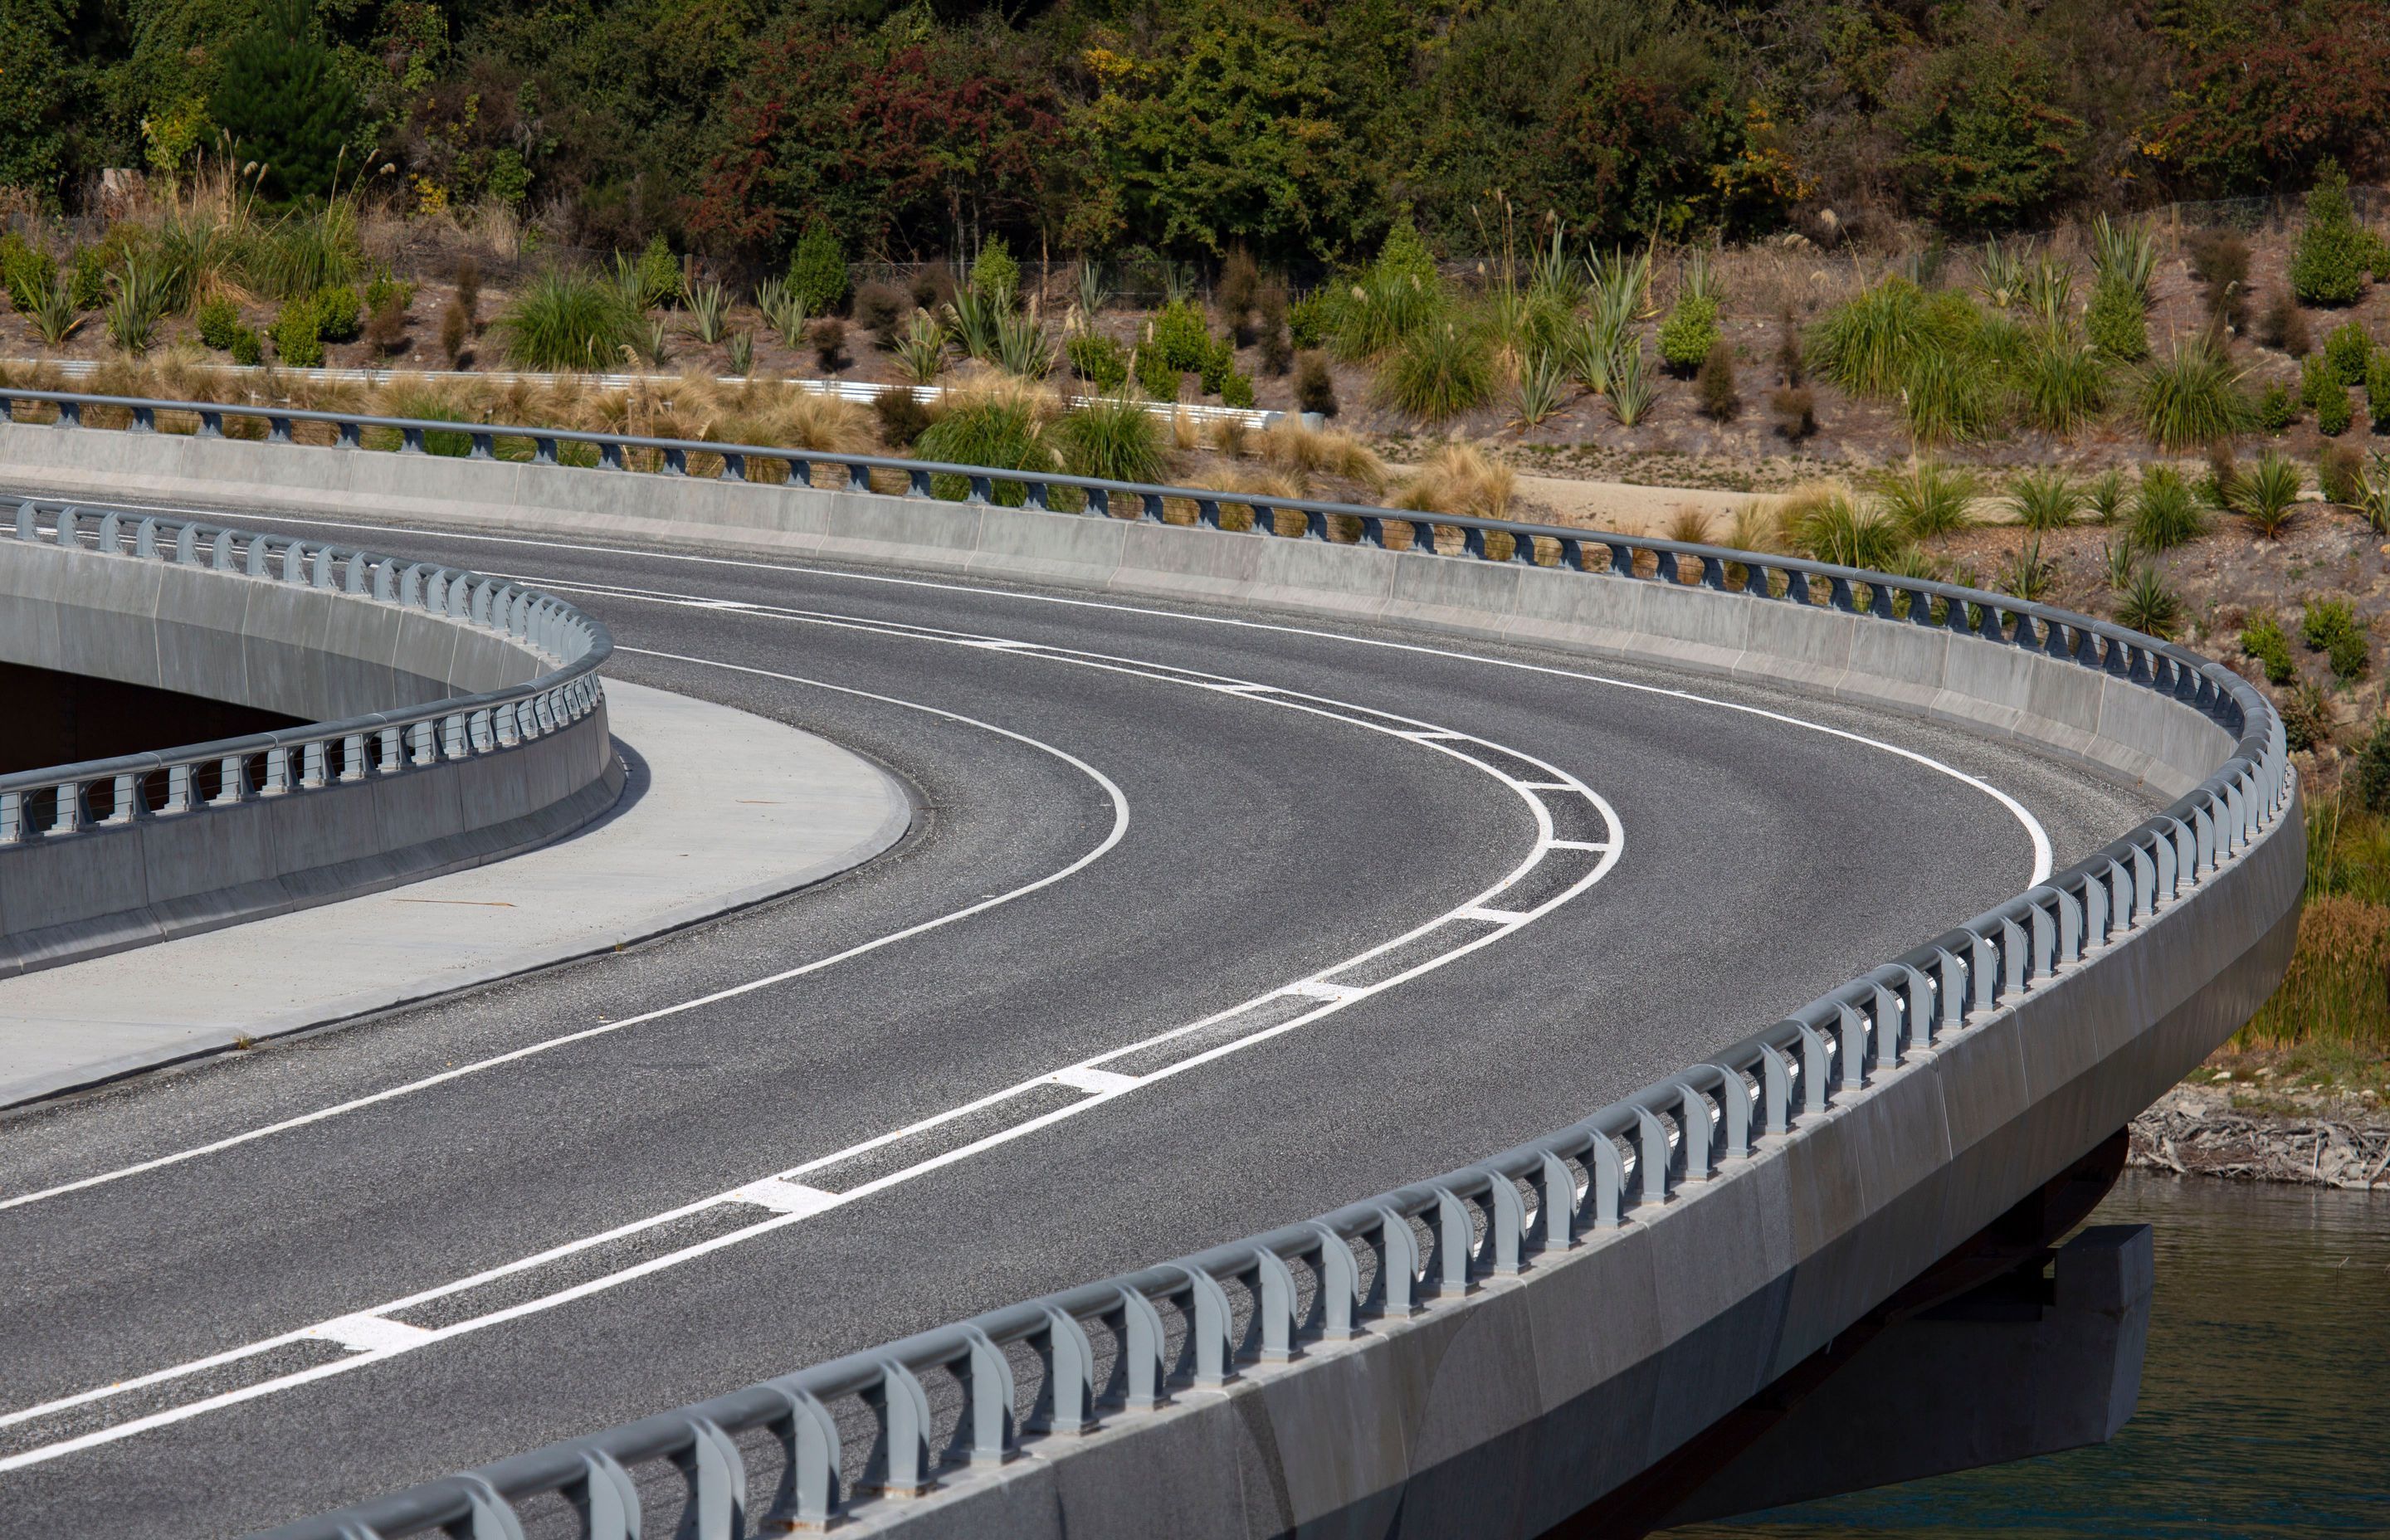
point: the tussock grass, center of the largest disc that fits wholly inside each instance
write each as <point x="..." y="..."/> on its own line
<point x="1437" y="372"/>
<point x="568" y="321"/>
<point x="2165" y="511"/>
<point x="1114" y="438"/>
<point x="1926" y="498"/>
<point x="1458" y="479"/>
<point x="1830" y="523"/>
<point x="2191" y="398"/>
<point x="1294" y="449"/>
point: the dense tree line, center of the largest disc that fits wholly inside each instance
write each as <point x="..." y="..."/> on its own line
<point x="1298" y="129"/>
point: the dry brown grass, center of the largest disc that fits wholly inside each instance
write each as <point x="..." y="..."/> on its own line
<point x="2338" y="986"/>
<point x="1692" y="525"/>
<point x="1458" y="479"/>
<point x="1306" y="451"/>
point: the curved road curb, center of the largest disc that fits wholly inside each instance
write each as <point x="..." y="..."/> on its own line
<point x="723" y="810"/>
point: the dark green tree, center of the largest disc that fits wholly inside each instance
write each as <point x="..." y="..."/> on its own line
<point x="1985" y="145"/>
<point x="285" y="102"/>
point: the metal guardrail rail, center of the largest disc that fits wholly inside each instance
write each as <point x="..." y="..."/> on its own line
<point x="117" y="794"/>
<point x="1030" y="1370"/>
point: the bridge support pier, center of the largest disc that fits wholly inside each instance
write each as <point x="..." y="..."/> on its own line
<point x="2009" y="1347"/>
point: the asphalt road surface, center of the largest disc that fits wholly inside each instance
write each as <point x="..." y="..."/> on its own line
<point x="1102" y="1007"/>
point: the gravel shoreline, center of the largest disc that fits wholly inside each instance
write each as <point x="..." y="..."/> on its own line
<point x="2212" y="1131"/>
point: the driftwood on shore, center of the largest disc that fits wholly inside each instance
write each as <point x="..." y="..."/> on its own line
<point x="2194" y="1133"/>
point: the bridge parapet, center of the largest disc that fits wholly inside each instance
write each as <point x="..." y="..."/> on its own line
<point x="448" y="718"/>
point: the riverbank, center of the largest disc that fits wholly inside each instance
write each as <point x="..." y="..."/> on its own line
<point x="2273" y="1118"/>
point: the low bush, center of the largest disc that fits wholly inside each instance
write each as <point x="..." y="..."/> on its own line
<point x="297" y="344"/>
<point x="2284" y="326"/>
<point x="1795" y="409"/>
<point x="2219" y="260"/>
<point x="386" y="292"/>
<point x="2277" y="408"/>
<point x="2377" y="391"/>
<point x="1315" y="386"/>
<point x="339" y="317"/>
<point x="2339" y="474"/>
<point x="996" y="276"/>
<point x="1156" y="375"/>
<point x="1218" y="363"/>
<point x="1099" y="360"/>
<point x="385" y="330"/>
<point x="1237" y="391"/>
<point x="2347" y="350"/>
<point x="1720" y="400"/>
<point x="933" y="287"/>
<point x="877" y="309"/>
<point x="456" y="331"/>
<point x="2370" y="778"/>
<point x="902" y="418"/>
<point x="26" y="271"/>
<point x="87" y="277"/>
<point x="817" y="271"/>
<point x="1311" y="320"/>
<point x="2306" y="718"/>
<point x="1180" y="337"/>
<point x="2330" y="265"/>
<point x="1689" y="333"/>
<point x="827" y="337"/>
<point x="2331" y="627"/>
<point x="247" y="347"/>
<point x="2263" y="640"/>
<point x="1270" y="333"/>
<point x="219" y="322"/>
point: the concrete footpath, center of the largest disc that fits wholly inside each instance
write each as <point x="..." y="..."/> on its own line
<point x="722" y="809"/>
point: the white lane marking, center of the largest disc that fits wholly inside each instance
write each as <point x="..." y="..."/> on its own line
<point x="1111" y="838"/>
<point x="2043" y="860"/>
<point x="1095" y="1082"/>
<point x="1334" y="998"/>
<point x="1578" y="844"/>
<point x="1492" y="917"/>
<point x="784" y="1197"/>
<point x="370" y="1334"/>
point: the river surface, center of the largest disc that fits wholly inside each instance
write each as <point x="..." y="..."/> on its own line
<point x="2265" y="1405"/>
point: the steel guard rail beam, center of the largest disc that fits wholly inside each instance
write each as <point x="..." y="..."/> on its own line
<point x="1402" y="1252"/>
<point x="39" y="804"/>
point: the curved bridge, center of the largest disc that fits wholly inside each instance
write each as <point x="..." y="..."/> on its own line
<point x="1382" y="863"/>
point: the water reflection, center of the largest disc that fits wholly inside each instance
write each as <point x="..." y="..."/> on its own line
<point x="2265" y="1404"/>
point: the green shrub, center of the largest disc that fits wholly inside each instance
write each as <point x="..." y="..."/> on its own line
<point x="297" y="342"/>
<point x="384" y="292"/>
<point x="1689" y="333"/>
<point x="337" y="318"/>
<point x="1951" y="396"/>
<point x="1439" y="372"/>
<point x="247" y="347"/>
<point x="2333" y="254"/>
<point x="654" y="278"/>
<point x="26" y="271"/>
<point x="996" y="276"/>
<point x="902" y="416"/>
<point x="1219" y="363"/>
<point x="1237" y="391"/>
<point x="2347" y="349"/>
<point x="1311" y="320"/>
<point x="2284" y="325"/>
<point x="87" y="277"/>
<point x="2165" y="513"/>
<point x="1099" y="360"/>
<point x="1716" y="384"/>
<point x="1000" y="433"/>
<point x="1114" y="438"/>
<point x="219" y="323"/>
<point x="1156" y="375"/>
<point x="2331" y="627"/>
<point x="2377" y="390"/>
<point x="566" y="321"/>
<point x="817" y="271"/>
<point x="2370" y="777"/>
<point x="2262" y="639"/>
<point x="1180" y="337"/>
<point x="2334" y="412"/>
<point x="2277" y="408"/>
<point x="2117" y="322"/>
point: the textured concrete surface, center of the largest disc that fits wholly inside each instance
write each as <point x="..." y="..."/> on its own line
<point x="721" y="808"/>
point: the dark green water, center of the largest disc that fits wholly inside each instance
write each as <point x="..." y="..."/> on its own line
<point x="2265" y="1404"/>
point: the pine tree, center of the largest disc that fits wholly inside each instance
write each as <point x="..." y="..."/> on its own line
<point x="285" y="102"/>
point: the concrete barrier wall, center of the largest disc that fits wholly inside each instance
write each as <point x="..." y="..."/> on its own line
<point x="1504" y="1412"/>
<point x="312" y="653"/>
